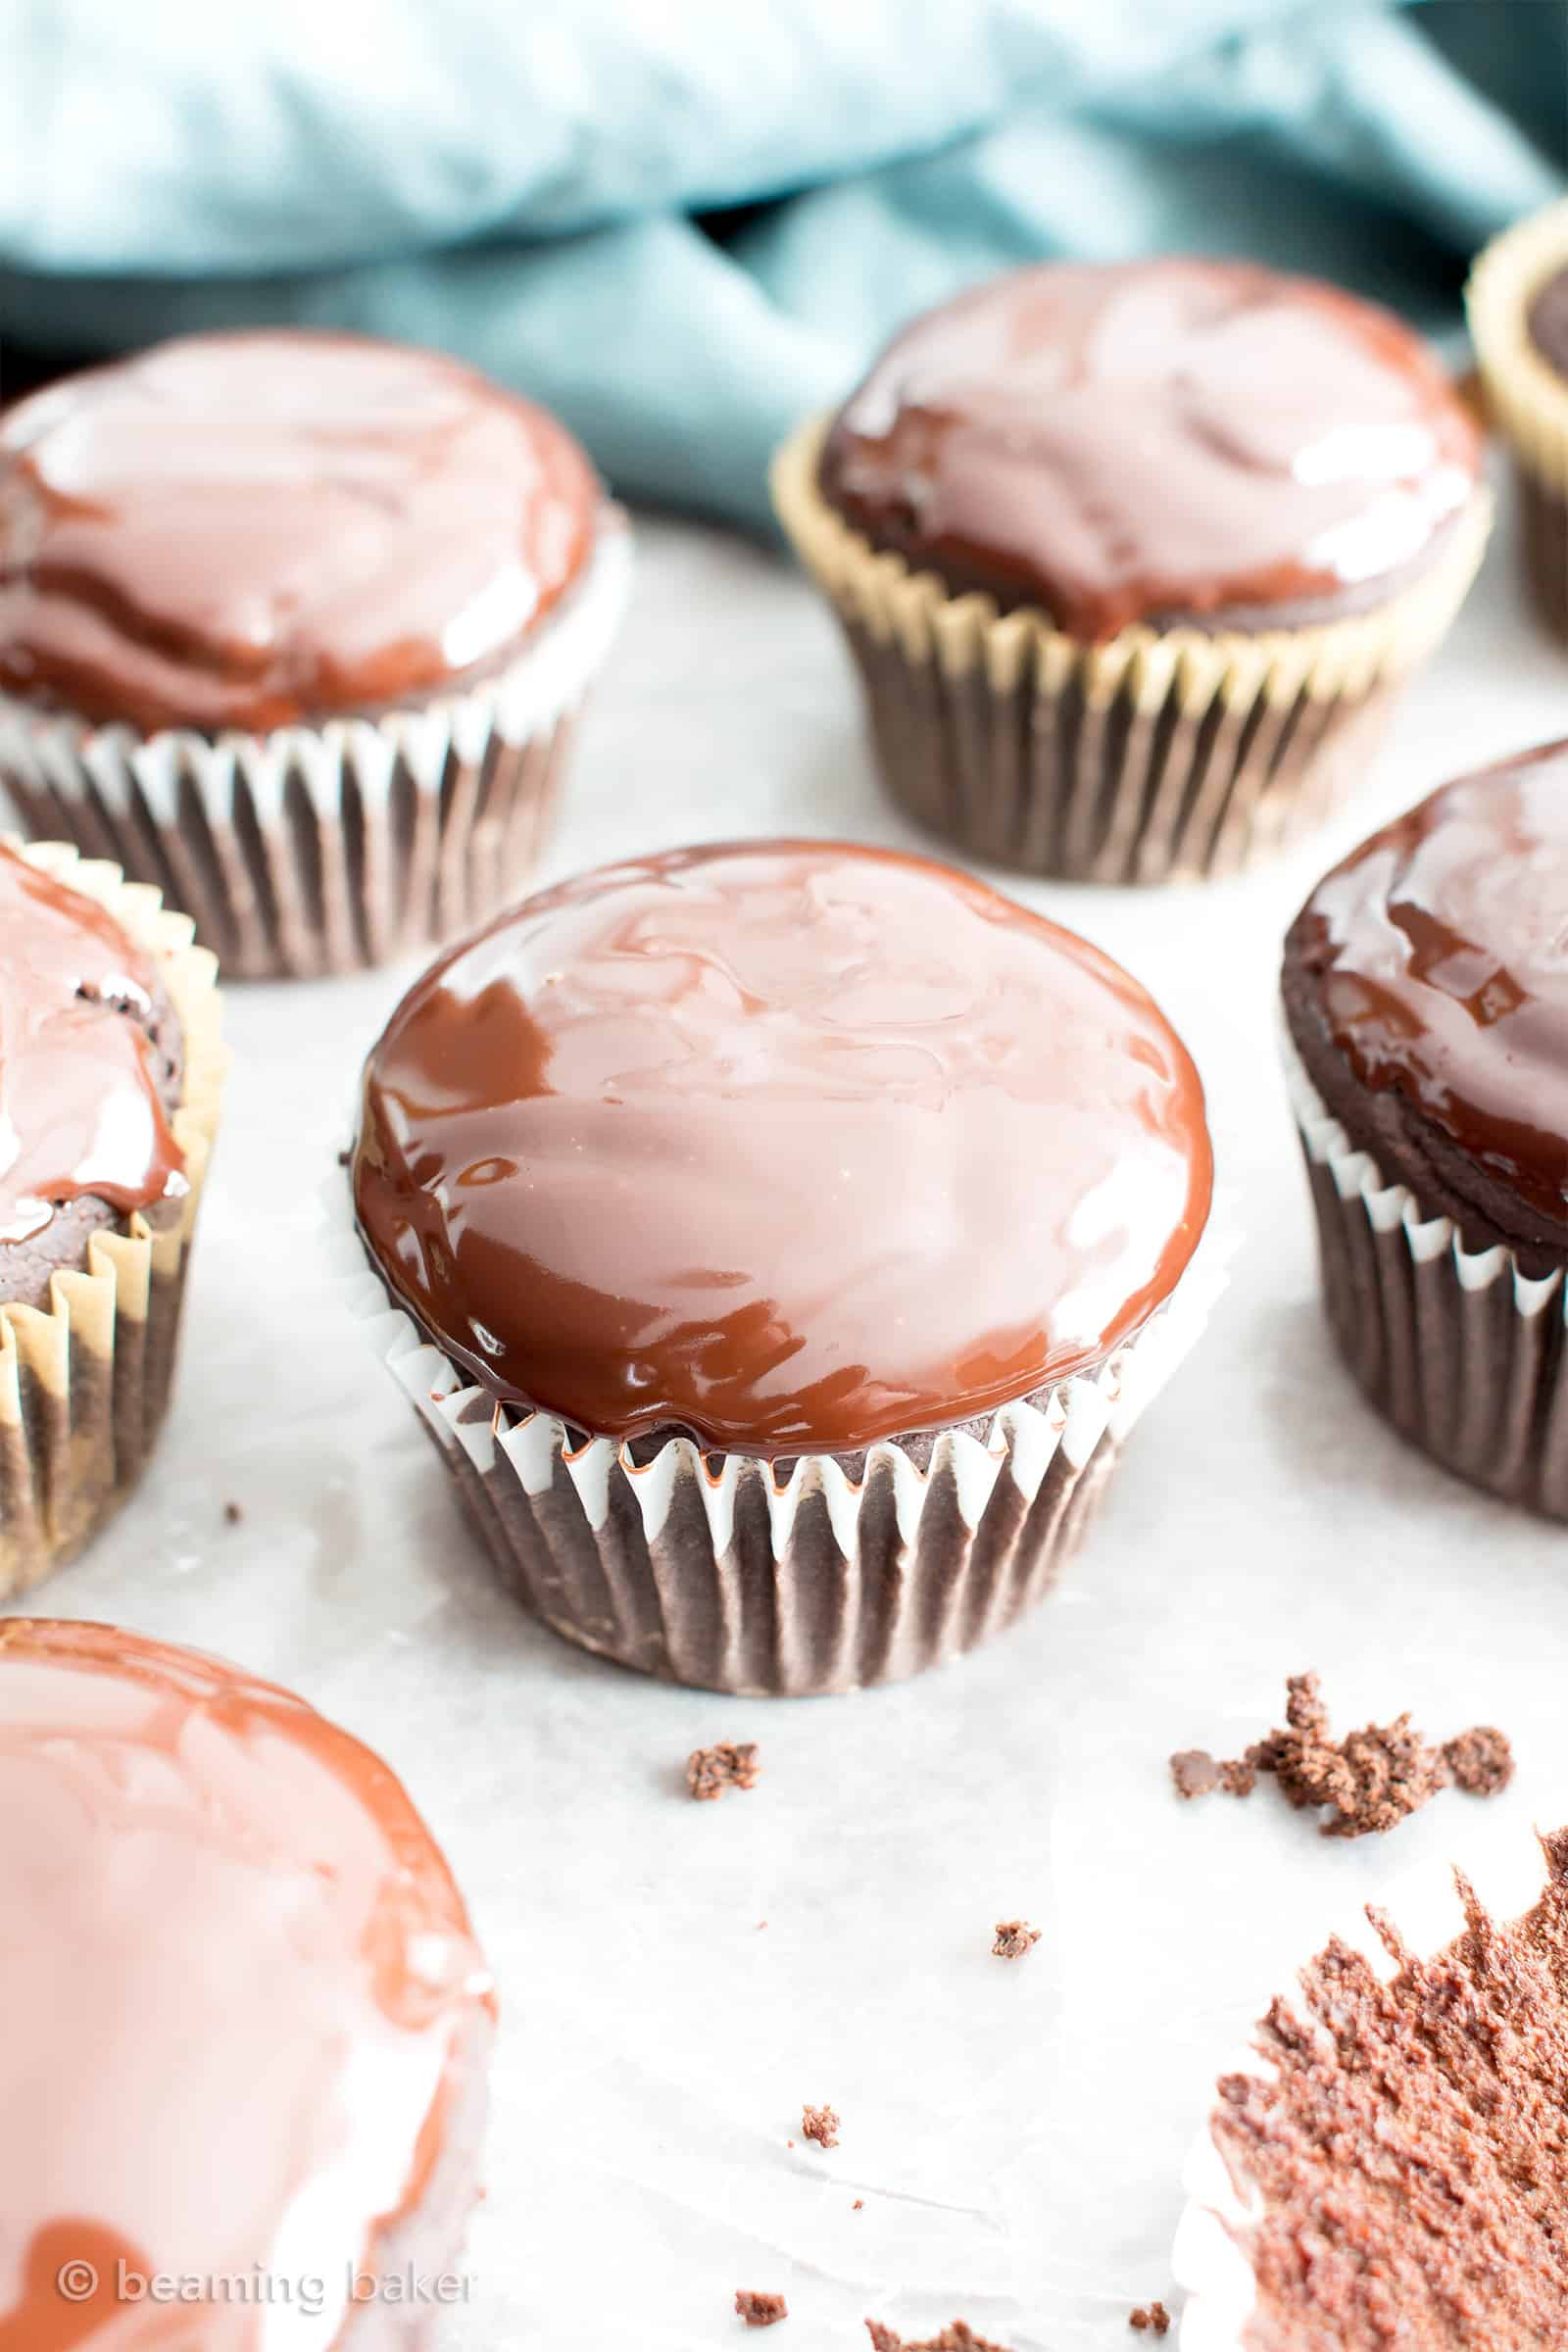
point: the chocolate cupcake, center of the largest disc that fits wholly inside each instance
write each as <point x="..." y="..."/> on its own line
<point x="782" y="1238"/>
<point x="1130" y="557"/>
<point x="110" y="1073"/>
<point x="295" y="627"/>
<point x="1385" y="2165"/>
<point x="1426" y="1000"/>
<point x="251" y="2085"/>
<point x="1518" y="305"/>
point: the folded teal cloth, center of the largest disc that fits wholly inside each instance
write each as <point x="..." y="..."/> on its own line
<point x="682" y="222"/>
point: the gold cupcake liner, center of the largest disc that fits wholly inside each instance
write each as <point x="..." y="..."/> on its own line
<point x="1464" y="1353"/>
<point x="1163" y="755"/>
<point x="84" y="1383"/>
<point x="312" y="850"/>
<point x="793" y="1577"/>
<point x="1525" y="398"/>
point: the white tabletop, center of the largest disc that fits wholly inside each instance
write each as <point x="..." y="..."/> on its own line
<point x="1015" y="2131"/>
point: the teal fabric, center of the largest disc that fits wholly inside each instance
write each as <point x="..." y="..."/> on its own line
<point x="681" y="223"/>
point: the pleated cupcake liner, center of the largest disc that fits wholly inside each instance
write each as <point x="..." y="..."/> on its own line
<point x="787" y="1576"/>
<point x="1223" y="2205"/>
<point x="1526" y="397"/>
<point x="1460" y="1350"/>
<point x="1163" y="754"/>
<point x="318" y="850"/>
<point x="84" y="1383"/>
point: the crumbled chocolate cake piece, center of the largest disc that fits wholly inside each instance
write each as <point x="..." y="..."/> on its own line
<point x="1150" y="2319"/>
<point x="1194" y="1771"/>
<point x="820" y="2123"/>
<point x="232" y="1514"/>
<point x="760" y="2311"/>
<point x="1407" y="2158"/>
<point x="1369" y="1782"/>
<point x="956" y="2336"/>
<point x="858" y="2206"/>
<point x="709" y="1771"/>
<point x="1014" y="1937"/>
<point x="1481" y="1760"/>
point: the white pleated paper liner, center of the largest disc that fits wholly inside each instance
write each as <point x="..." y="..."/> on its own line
<point x="793" y="1577"/>
<point x="313" y="849"/>
<point x="1460" y="1350"/>
<point x="1210" y="2259"/>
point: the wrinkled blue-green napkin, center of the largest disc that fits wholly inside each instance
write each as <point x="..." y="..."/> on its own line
<point x="681" y="223"/>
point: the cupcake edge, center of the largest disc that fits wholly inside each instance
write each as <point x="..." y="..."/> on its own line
<point x="787" y="1579"/>
<point x="1220" y="2205"/>
<point x="1526" y="397"/>
<point x="1163" y="754"/>
<point x="1464" y="1354"/>
<point x="311" y="850"/>
<point x="86" y="1381"/>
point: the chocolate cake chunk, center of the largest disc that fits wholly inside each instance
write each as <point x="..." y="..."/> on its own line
<point x="1014" y="1938"/>
<point x="1408" y="2159"/>
<point x="1481" y="1760"/>
<point x="709" y="1771"/>
<point x="1194" y="1771"/>
<point x="759" y="2310"/>
<point x="820" y="2123"/>
<point x="956" y="2336"/>
<point x="1150" y="2319"/>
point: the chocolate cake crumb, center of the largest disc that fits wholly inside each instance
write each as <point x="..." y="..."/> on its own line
<point x="821" y="2125"/>
<point x="956" y="2336"/>
<point x="1150" y="2319"/>
<point x="1405" y="2154"/>
<point x="1481" y="1760"/>
<point x="1014" y="1937"/>
<point x="1368" y="1781"/>
<point x="1194" y="1771"/>
<point x="859" y="2205"/>
<point x="709" y="1771"/>
<point x="232" y="1514"/>
<point x="760" y="2311"/>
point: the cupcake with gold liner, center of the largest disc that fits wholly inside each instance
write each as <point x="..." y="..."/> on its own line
<point x="779" y="1239"/>
<point x="1517" y="301"/>
<point x="1384" y="2162"/>
<point x="110" y="1088"/>
<point x="1130" y="558"/>
<point x="1425" y="992"/>
<point x="297" y="627"/>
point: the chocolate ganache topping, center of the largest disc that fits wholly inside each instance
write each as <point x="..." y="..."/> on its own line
<point x="1158" y="440"/>
<point x="83" y="1096"/>
<point x="790" y="1145"/>
<point x="247" y="530"/>
<point x="240" y="1978"/>
<point x="1428" y="973"/>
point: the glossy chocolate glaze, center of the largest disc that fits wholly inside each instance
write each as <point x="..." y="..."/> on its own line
<point x="1427" y="988"/>
<point x="1156" y="440"/>
<point x="237" y="1975"/>
<point x="84" y="1092"/>
<point x="791" y="1145"/>
<point x="1546" y="320"/>
<point x="247" y="530"/>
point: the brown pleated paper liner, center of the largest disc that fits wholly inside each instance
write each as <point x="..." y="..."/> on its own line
<point x="86" y="1381"/>
<point x="1458" y="1348"/>
<point x="318" y="849"/>
<point x="1163" y="755"/>
<point x="794" y="1577"/>
<point x="1525" y="398"/>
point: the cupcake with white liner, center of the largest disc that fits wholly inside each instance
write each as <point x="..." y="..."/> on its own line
<point x="1132" y="559"/>
<point x="1426" y="1004"/>
<point x="249" y="2105"/>
<point x="111" y="1082"/>
<point x="1387" y="2162"/>
<point x="779" y="1239"/>
<point x="1517" y="301"/>
<point x="295" y="627"/>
